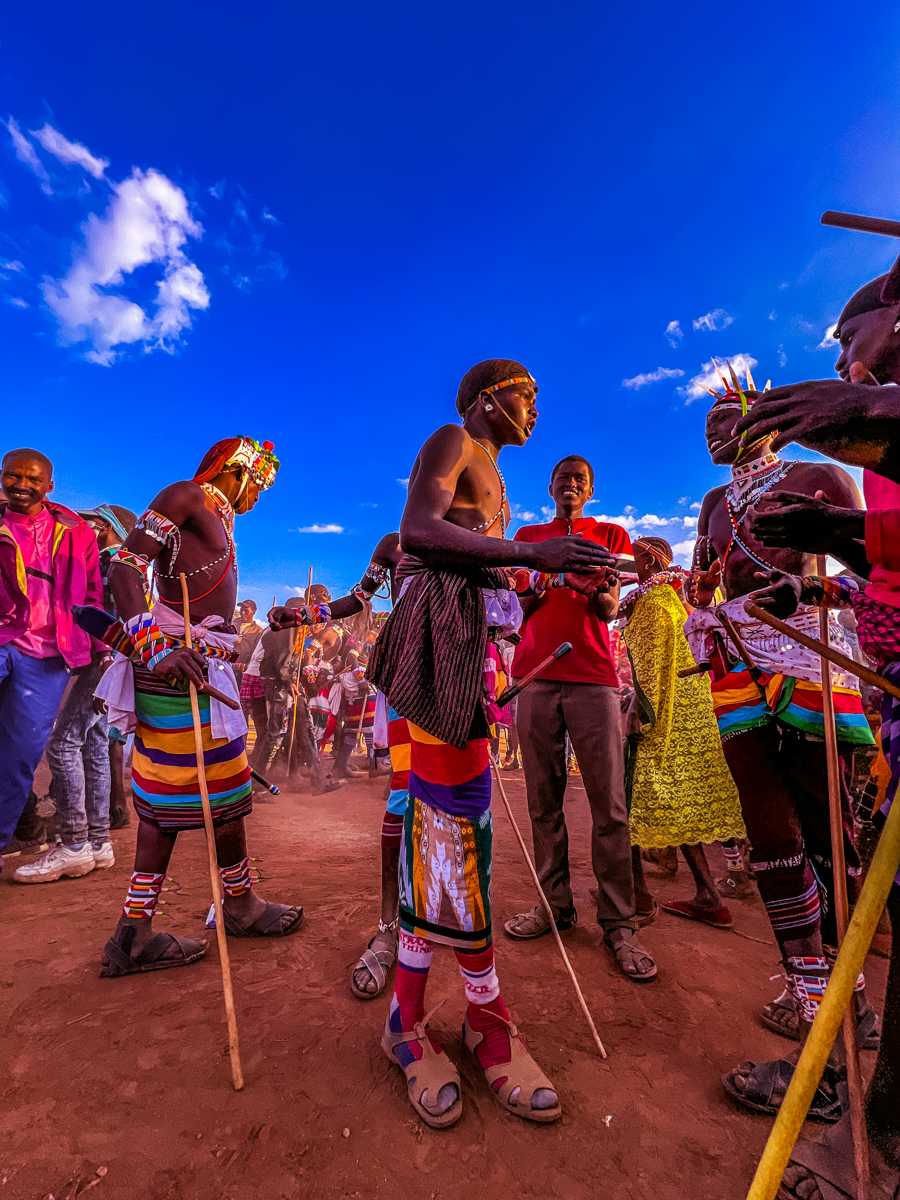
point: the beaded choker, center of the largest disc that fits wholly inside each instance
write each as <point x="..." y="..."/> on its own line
<point x="750" y="480"/>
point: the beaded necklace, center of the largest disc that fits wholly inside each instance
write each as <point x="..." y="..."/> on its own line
<point x="748" y="484"/>
<point x="674" y="576"/>
<point x="225" y="513"/>
<point x="502" y="513"/>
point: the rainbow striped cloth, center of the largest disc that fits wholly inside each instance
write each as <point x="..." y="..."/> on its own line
<point x="164" y="770"/>
<point x="742" y="703"/>
<point x="445" y="853"/>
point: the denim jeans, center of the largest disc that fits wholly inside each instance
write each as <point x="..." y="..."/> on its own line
<point x="30" y="692"/>
<point x="78" y="755"/>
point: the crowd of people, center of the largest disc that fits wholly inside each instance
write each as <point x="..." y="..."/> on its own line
<point x="690" y="722"/>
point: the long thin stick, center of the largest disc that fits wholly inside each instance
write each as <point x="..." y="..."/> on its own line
<point x="731" y="630"/>
<point x="537" y="883"/>
<point x="237" y="1074"/>
<point x="511" y="692"/>
<point x="297" y="683"/>
<point x="849" y="962"/>
<point x="861" y="224"/>
<point x="842" y="911"/>
<point x="840" y="660"/>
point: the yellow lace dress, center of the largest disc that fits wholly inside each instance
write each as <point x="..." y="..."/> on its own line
<point x="683" y="791"/>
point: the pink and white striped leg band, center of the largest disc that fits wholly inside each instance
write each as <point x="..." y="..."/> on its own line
<point x="143" y="895"/>
<point x="236" y="880"/>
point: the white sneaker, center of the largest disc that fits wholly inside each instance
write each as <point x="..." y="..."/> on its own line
<point x="56" y="864"/>
<point x="103" y="855"/>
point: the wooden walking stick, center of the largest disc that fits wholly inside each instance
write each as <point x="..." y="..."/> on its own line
<point x="842" y="911"/>
<point x="237" y="1074"/>
<point x="546" y="903"/>
<point x="297" y="683"/>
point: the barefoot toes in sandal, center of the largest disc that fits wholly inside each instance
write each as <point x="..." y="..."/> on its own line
<point x="377" y="961"/>
<point x="269" y="923"/>
<point x="526" y="1090"/>
<point x="149" y="957"/>
<point x="761" y="1082"/>
<point x="432" y="1080"/>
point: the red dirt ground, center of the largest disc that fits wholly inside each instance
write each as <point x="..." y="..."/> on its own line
<point x="132" y="1075"/>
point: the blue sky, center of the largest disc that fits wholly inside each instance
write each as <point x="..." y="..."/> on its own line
<point x="348" y="206"/>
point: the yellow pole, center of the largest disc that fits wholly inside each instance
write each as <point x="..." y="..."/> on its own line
<point x="850" y="959"/>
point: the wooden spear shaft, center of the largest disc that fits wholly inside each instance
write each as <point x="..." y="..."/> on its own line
<point x="842" y="910"/>
<point x="546" y="903"/>
<point x="237" y="1074"/>
<point x="820" y="648"/>
<point x="297" y="682"/>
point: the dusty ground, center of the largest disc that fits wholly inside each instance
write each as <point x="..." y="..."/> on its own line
<point x="132" y="1075"/>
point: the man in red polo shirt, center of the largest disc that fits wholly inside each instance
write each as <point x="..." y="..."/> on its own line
<point x="578" y="695"/>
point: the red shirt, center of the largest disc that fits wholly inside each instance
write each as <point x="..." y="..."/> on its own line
<point x="562" y="615"/>
<point x="883" y="537"/>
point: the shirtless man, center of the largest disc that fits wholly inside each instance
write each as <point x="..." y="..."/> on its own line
<point x="859" y="424"/>
<point x="430" y="663"/>
<point x="187" y="528"/>
<point x="771" y="721"/>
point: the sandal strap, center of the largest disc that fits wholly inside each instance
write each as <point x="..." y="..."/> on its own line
<point x="520" y="1071"/>
<point x="417" y="1033"/>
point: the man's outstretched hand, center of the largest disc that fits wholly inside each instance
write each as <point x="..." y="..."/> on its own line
<point x="282" y="618"/>
<point x="782" y="595"/>
<point x="573" y="555"/>
<point x="595" y="584"/>
<point x="805" y="523"/>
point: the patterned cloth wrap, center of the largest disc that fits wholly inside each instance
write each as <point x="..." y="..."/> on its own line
<point x="682" y="790"/>
<point x="164" y="767"/>
<point x="785" y="681"/>
<point x="445" y="852"/>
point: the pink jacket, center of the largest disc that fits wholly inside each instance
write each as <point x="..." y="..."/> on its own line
<point x="76" y="580"/>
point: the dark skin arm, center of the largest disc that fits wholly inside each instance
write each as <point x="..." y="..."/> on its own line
<point x="855" y="423"/>
<point x="181" y="503"/>
<point x="386" y="554"/>
<point x="811" y="524"/>
<point x="443" y="507"/>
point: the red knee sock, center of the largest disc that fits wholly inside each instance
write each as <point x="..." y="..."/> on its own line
<point x="408" y="1003"/>
<point x="488" y="1019"/>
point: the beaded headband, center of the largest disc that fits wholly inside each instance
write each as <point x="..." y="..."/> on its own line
<point x="655" y="552"/>
<point x="496" y="387"/>
<point x="258" y="460"/>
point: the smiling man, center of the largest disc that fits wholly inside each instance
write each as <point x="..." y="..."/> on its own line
<point x="577" y="696"/>
<point x="49" y="561"/>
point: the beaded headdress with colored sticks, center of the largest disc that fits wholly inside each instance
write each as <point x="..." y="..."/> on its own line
<point x="735" y="395"/>
<point x="258" y="460"/>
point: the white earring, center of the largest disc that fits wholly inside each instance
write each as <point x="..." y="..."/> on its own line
<point x="489" y="408"/>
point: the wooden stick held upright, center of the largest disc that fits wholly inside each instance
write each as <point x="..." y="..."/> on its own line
<point x="237" y="1074"/>
<point x="537" y="883"/>
<point x="842" y="911"/>
<point x="290" y="757"/>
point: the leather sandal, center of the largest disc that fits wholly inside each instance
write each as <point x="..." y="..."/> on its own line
<point x="629" y="952"/>
<point x="521" y="1074"/>
<point x="377" y="963"/>
<point x="429" y="1073"/>
<point x="534" y="924"/>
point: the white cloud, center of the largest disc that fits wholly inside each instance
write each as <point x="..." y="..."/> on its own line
<point x="690" y="522"/>
<point x="696" y="507"/>
<point x="682" y="552"/>
<point x="321" y="529"/>
<point x="828" y="342"/>
<point x="17" y="302"/>
<point x="27" y="154"/>
<point x="267" y="216"/>
<point x="217" y="191"/>
<point x="146" y="222"/>
<point x="626" y="520"/>
<point x="70" y="153"/>
<point x="403" y="482"/>
<point x="773" y="315"/>
<point x="713" y="322"/>
<point x="548" y="512"/>
<point x="649" y="377"/>
<point x="782" y="357"/>
<point x="709" y="377"/>
<point x="11" y="265"/>
<point x="674" y="333"/>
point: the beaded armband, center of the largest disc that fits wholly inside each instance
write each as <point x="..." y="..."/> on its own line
<point x="150" y="643"/>
<point x="311" y="614"/>
<point x="828" y="591"/>
<point x="160" y="528"/>
<point x="128" y="558"/>
<point x="535" y="583"/>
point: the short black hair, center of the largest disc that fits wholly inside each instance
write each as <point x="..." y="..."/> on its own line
<point x="25" y="452"/>
<point x="484" y="375"/>
<point x="573" y="458"/>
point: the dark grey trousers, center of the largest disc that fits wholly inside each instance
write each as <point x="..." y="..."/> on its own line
<point x="589" y="713"/>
